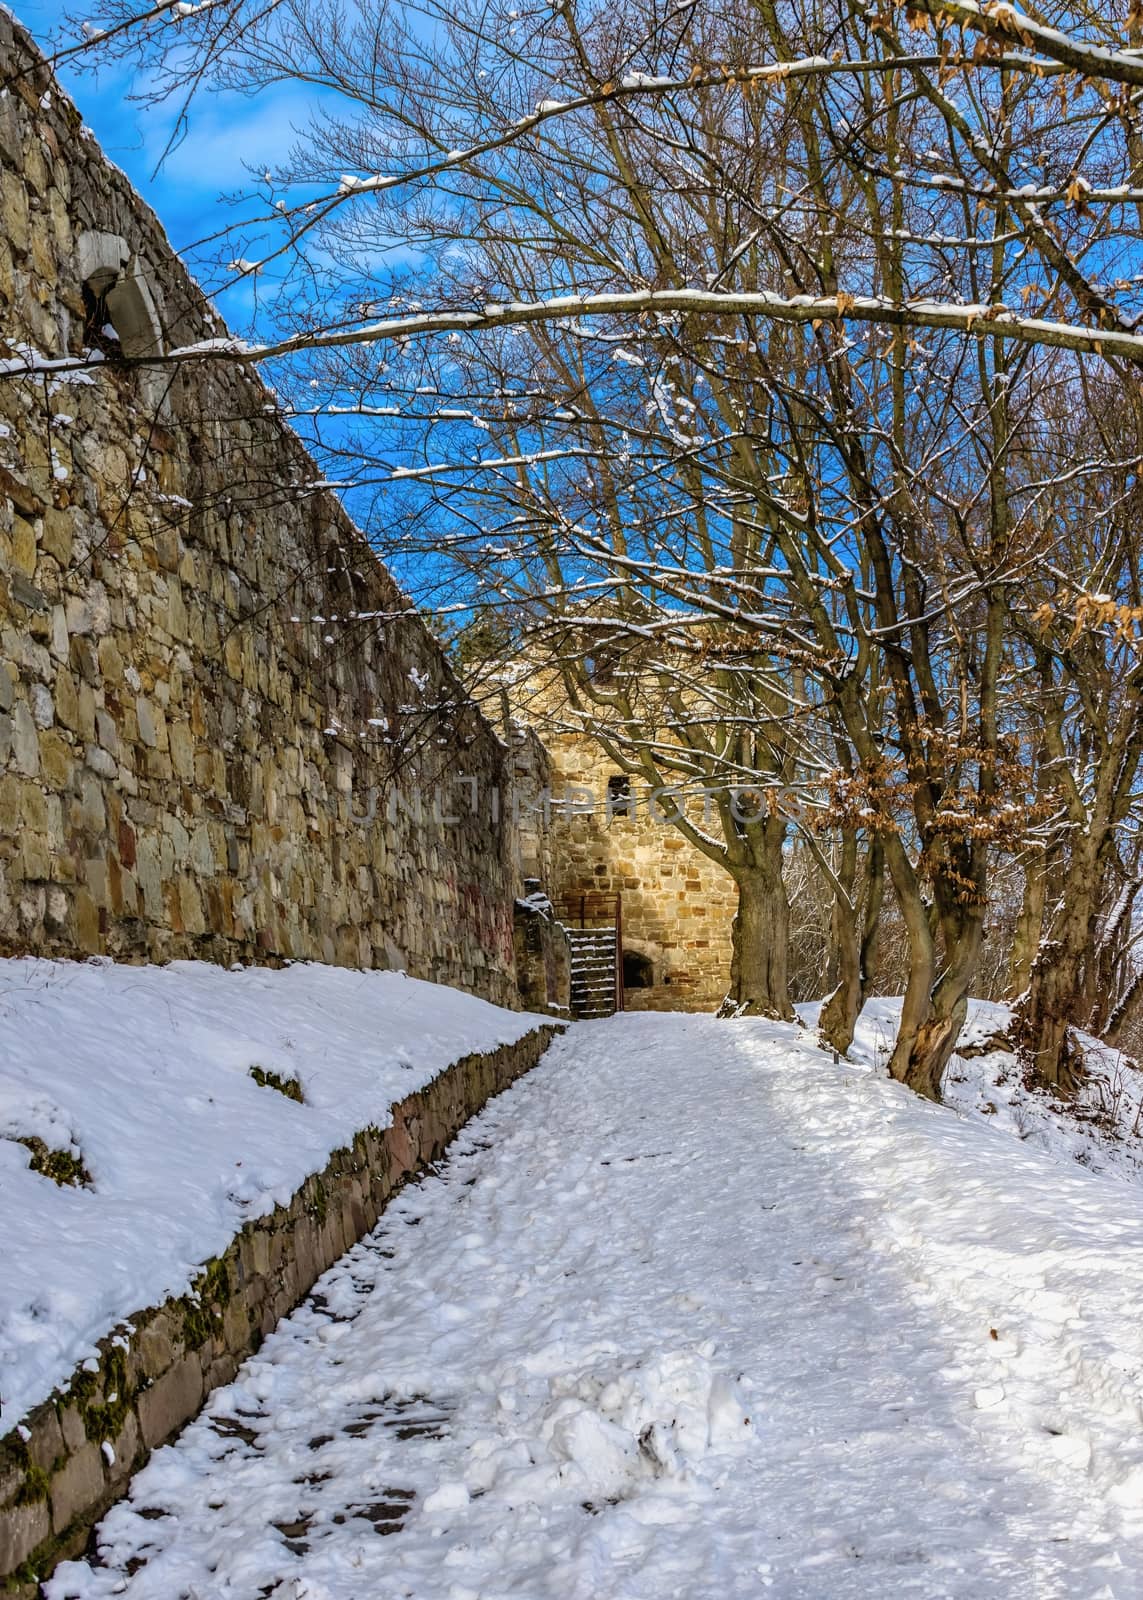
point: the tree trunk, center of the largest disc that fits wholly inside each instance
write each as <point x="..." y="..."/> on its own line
<point x="1029" y="926"/>
<point x="871" y="925"/>
<point x="841" y="1008"/>
<point x="1053" y="1000"/>
<point x="1123" y="1012"/>
<point x="1043" y="1017"/>
<point x="933" y="1011"/>
<point x="916" y="1004"/>
<point x="760" y="945"/>
<point x="920" y="1061"/>
<point x="1042" y="1024"/>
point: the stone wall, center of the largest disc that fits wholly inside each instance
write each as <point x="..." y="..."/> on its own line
<point x="532" y="822"/>
<point x="74" y="1455"/>
<point x="678" y="904"/>
<point x="543" y="955"/>
<point x="198" y="686"/>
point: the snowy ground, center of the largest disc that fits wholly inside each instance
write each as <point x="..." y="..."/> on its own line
<point x="691" y="1312"/>
<point x="143" y="1075"/>
<point x="1102" y="1128"/>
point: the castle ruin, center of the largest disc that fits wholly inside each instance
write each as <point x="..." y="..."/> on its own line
<point x="224" y="732"/>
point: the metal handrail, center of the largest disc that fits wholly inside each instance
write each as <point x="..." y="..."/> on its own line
<point x="620" y="997"/>
<point x="573" y="912"/>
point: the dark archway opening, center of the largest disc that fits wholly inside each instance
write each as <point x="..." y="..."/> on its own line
<point x="638" y="972"/>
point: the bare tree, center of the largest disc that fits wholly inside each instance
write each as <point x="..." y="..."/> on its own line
<point x="1079" y="632"/>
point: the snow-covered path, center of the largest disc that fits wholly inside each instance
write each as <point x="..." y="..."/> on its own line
<point x="689" y="1312"/>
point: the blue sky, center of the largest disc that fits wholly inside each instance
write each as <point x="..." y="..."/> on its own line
<point x="231" y="137"/>
<point x="227" y="133"/>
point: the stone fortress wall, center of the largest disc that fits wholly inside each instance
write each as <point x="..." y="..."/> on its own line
<point x="196" y="695"/>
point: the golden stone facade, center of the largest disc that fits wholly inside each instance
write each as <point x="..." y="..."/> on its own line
<point x="677" y="904"/>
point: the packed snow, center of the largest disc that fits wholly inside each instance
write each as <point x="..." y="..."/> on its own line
<point x="692" y="1310"/>
<point x="142" y="1075"/>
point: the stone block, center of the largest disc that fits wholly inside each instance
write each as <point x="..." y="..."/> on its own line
<point x="158" y="1345"/>
<point x="46" y="1446"/>
<point x="111" y="661"/>
<point x="100" y="258"/>
<point x="223" y="1368"/>
<point x="125" y="1449"/>
<point x="132" y="310"/>
<point x="22" y="1528"/>
<point x="23" y="548"/>
<point x="260" y="1251"/>
<point x="57" y="539"/>
<point x="146" y="721"/>
<point x="25" y="742"/>
<point x="87" y="929"/>
<point x="170" y="1401"/>
<point x="77" y="1487"/>
<point x="15" y="210"/>
<point x="67" y="699"/>
<point x="236" y="1326"/>
<point x="11" y="1481"/>
<point x="92" y="811"/>
<point x="11" y="144"/>
<point x="71" y="1424"/>
<point x="182" y="751"/>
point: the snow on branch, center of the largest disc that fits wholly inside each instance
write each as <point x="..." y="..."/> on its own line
<point x="1004" y="23"/>
<point x="981" y="321"/>
<point x="532" y="458"/>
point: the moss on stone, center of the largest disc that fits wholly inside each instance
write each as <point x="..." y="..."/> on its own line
<point x="104" y="1418"/>
<point x="211" y="1289"/>
<point x="82" y="1387"/>
<point x="16" y="1457"/>
<point x="35" y="1482"/>
<point x="319" y="1205"/>
<point x="290" y="1087"/>
<point x="59" y="1165"/>
<point x="37" y="1485"/>
<point x="30" y="1571"/>
<point x="213" y="1283"/>
<point x="13" y="1453"/>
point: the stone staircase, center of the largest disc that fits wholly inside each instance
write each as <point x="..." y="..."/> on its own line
<point x="592" y="972"/>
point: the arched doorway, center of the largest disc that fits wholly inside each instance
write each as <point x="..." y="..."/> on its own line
<point x="638" y="973"/>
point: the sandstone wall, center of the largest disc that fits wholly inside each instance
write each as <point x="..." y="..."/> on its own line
<point x="195" y="692"/>
<point x="532" y="823"/>
<point x="75" y="1454"/>
<point x="543" y="956"/>
<point x="678" y="905"/>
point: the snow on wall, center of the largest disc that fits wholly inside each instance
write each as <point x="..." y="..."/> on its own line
<point x="145" y="1074"/>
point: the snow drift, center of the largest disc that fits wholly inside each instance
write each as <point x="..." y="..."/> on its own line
<point x="182" y="1101"/>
